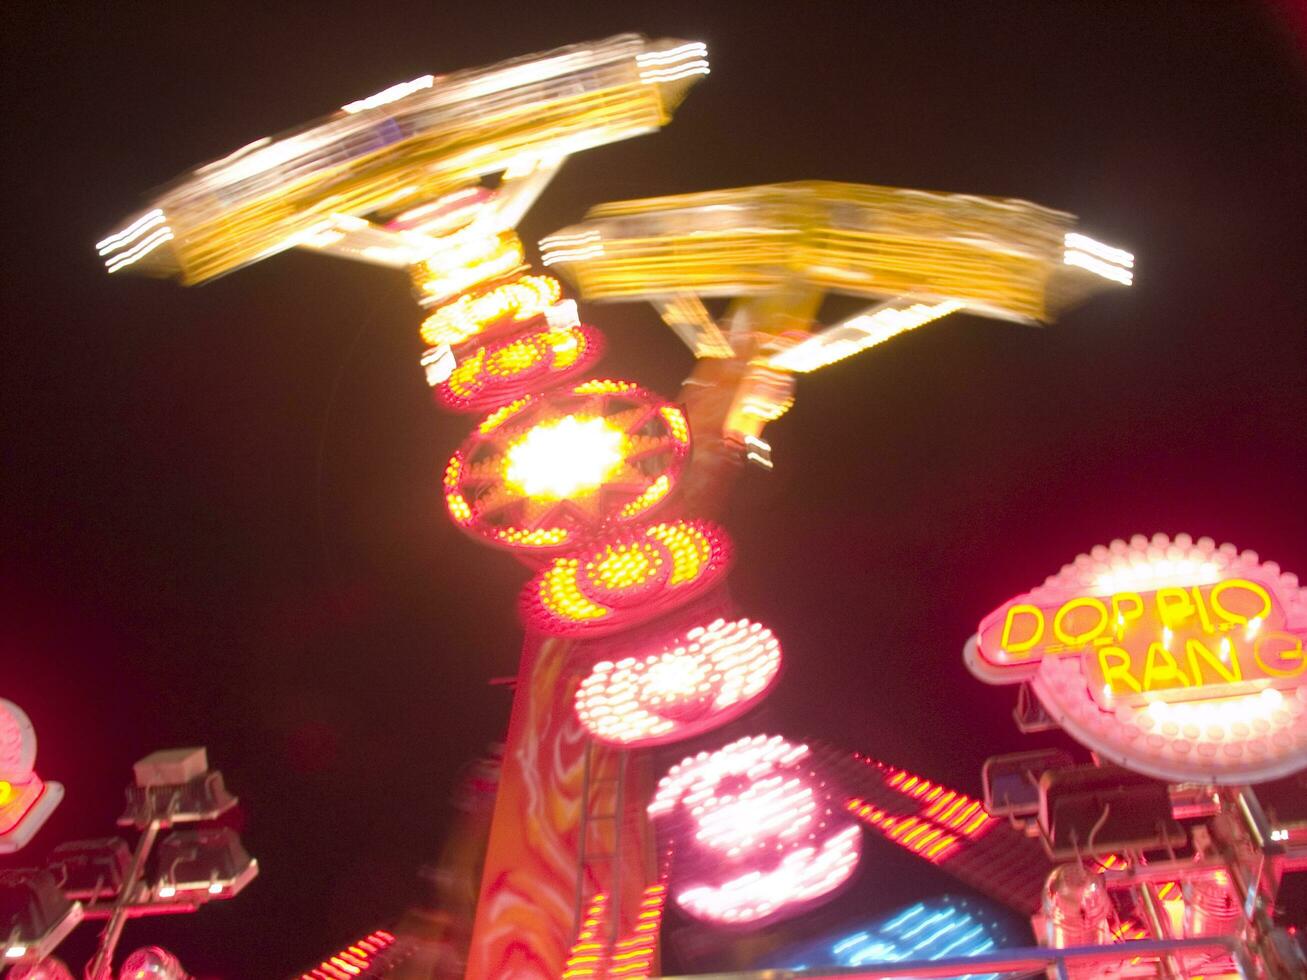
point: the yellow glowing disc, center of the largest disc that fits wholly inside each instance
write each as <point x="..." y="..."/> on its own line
<point x="570" y="457"/>
<point x="547" y="472"/>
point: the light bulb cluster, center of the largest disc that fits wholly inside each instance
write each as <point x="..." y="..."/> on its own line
<point x="604" y="386"/>
<point x="938" y="831"/>
<point x="553" y="470"/>
<point x="912" y="833"/>
<point x="499" y="373"/>
<point x="459" y="320"/>
<point x="502" y="414"/>
<point x="564" y="458"/>
<point x="627" y="579"/>
<point x="948" y="808"/>
<point x="363" y="958"/>
<point x="467" y="261"/>
<point x="595" y="954"/>
<point x="709" y="676"/>
<point x="647" y="499"/>
<point x="754" y="835"/>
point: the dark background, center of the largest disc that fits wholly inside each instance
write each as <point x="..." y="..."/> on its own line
<point x="222" y="519"/>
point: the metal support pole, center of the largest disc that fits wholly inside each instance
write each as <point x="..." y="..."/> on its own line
<point x="1249" y="830"/>
<point x="1166" y="965"/>
<point x="1242" y="965"/>
<point x="100" y="968"/>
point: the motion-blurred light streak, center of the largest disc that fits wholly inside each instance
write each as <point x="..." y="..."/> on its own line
<point x="381" y="156"/>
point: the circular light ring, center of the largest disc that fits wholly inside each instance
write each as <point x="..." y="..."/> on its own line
<point x="491" y="311"/>
<point x="755" y="837"/>
<point x="525" y="361"/>
<point x="501" y="372"/>
<point x="1245" y="738"/>
<point x="630" y="577"/>
<point x="545" y="473"/>
<point x="710" y="675"/>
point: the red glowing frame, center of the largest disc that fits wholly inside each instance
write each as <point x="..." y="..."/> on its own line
<point x="645" y="439"/>
<point x="758" y="839"/>
<point x="505" y="370"/>
<point x="704" y="678"/>
<point x="629" y="578"/>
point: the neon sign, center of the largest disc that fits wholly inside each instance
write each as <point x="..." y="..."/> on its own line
<point x="1173" y="657"/>
<point x="1172" y="643"/>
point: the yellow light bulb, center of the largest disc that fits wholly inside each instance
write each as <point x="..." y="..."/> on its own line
<point x="567" y="458"/>
<point x="6" y="792"/>
<point x="626" y="566"/>
<point x="655" y="492"/>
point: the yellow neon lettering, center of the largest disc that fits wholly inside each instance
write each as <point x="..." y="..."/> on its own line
<point x="1292" y="653"/>
<point x="1021" y="646"/>
<point x="1201" y="607"/>
<point x="1243" y="585"/>
<point x="1122" y="616"/>
<point x="1073" y="640"/>
<point x="1156" y="673"/>
<point x="1198" y="651"/>
<point x="1117" y="674"/>
<point x="1174" y="606"/>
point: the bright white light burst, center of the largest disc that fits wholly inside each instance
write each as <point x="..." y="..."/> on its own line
<point x="567" y="458"/>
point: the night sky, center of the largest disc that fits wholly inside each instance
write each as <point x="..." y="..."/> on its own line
<point x="222" y="524"/>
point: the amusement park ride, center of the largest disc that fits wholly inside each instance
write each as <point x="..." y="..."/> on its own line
<point x="1178" y="664"/>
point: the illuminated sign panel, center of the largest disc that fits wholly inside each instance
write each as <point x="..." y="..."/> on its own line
<point x="1173" y="657"/>
<point x="1172" y="643"/>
